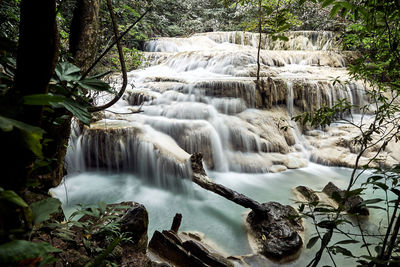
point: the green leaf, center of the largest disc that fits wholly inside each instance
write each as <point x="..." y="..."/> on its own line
<point x="7" y="124"/>
<point x="346" y="4"/>
<point x="32" y="135"/>
<point x="94" y="84"/>
<point x="32" y="141"/>
<point x="312" y="242"/>
<point x="283" y="38"/>
<point x="78" y="110"/>
<point x="18" y="250"/>
<point x="66" y="71"/>
<point x="11" y="196"/>
<point x="327" y="3"/>
<point x="99" y="259"/>
<point x="327" y="224"/>
<point x="319" y="209"/>
<point x="44" y="208"/>
<point x="335" y="9"/>
<point x="43" y="99"/>
<point x="343" y="251"/>
<point x="349" y="241"/>
<point x="102" y="207"/>
<point x="381" y="185"/>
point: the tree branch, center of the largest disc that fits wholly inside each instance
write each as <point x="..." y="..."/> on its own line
<point x="117" y="39"/>
<point x="121" y="60"/>
<point x="200" y="177"/>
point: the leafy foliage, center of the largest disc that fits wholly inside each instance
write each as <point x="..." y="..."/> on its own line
<point x="9" y="196"/>
<point x="44" y="208"/>
<point x="9" y="19"/>
<point x="276" y="17"/>
<point x="69" y="91"/>
<point x="96" y="227"/>
<point x="22" y="251"/>
<point x="375" y="33"/>
<point x="33" y="135"/>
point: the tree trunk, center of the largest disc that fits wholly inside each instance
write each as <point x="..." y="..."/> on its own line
<point x="200" y="177"/>
<point x="83" y="46"/>
<point x="36" y="59"/>
<point x="37" y="51"/>
<point x="83" y="40"/>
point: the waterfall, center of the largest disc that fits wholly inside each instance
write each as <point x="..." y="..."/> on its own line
<point x="198" y="94"/>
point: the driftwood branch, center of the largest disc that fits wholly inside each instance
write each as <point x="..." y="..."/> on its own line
<point x="200" y="177"/>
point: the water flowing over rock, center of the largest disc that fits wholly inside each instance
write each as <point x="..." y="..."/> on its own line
<point x="198" y="94"/>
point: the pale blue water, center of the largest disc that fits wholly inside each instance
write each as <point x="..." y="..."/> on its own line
<point x="219" y="219"/>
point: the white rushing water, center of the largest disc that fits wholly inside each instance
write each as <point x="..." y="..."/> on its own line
<point x="198" y="94"/>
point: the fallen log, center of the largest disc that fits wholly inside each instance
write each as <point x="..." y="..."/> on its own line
<point x="200" y="177"/>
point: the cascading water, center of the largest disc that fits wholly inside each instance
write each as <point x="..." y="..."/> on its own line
<point x="198" y="95"/>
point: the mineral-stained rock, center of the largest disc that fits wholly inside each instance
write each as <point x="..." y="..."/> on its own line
<point x="352" y="204"/>
<point x="308" y="193"/>
<point x="276" y="234"/>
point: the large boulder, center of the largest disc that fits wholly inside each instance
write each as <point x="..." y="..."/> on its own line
<point x="276" y="235"/>
<point x="134" y="223"/>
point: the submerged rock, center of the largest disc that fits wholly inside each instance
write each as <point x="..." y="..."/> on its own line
<point x="352" y="204"/>
<point x="276" y="235"/>
<point x="277" y="168"/>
